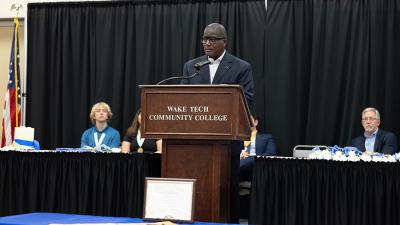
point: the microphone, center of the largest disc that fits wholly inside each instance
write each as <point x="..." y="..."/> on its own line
<point x="197" y="66"/>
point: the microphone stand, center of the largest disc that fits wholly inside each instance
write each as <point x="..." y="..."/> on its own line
<point x="179" y="77"/>
<point x="197" y="67"/>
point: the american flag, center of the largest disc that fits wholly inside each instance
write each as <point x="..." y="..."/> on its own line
<point x="12" y="99"/>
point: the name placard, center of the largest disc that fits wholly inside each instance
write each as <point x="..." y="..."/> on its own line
<point x="183" y="113"/>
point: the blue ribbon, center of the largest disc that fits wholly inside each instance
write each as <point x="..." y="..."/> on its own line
<point x="334" y="149"/>
<point x="24" y="142"/>
<point x="348" y="149"/>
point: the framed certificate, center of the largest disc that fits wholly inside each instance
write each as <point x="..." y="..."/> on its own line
<point x="169" y="199"/>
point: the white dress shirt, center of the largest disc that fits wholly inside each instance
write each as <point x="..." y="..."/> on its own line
<point x="214" y="65"/>
<point x="370" y="142"/>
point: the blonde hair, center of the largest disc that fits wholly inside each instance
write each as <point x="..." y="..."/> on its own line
<point x="100" y="105"/>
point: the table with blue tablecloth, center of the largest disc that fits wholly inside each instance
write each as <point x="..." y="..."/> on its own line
<point x="59" y="218"/>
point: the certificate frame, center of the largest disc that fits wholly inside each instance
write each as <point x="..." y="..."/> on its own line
<point x="171" y="199"/>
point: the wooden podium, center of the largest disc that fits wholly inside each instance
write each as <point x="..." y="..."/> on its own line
<point x="197" y="124"/>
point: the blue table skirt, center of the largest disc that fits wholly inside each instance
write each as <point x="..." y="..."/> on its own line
<point x="49" y="218"/>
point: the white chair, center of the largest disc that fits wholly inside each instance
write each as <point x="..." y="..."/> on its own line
<point x="303" y="151"/>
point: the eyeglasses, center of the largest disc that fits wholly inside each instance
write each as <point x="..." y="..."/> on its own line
<point x="369" y="119"/>
<point x="211" y="40"/>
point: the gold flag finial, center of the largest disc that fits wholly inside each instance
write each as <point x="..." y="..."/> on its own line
<point x="16" y="8"/>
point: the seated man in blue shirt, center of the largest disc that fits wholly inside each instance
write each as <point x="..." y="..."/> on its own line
<point x="259" y="144"/>
<point x="101" y="133"/>
<point x="374" y="139"/>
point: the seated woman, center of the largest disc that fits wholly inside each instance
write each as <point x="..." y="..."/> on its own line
<point x="258" y="145"/>
<point x="133" y="141"/>
<point x="101" y="133"/>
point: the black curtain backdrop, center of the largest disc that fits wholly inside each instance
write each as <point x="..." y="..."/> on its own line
<point x="316" y="63"/>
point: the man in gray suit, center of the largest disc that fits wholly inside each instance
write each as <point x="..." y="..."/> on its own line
<point x="223" y="69"/>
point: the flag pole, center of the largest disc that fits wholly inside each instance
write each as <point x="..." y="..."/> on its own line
<point x="18" y="97"/>
<point x="16" y="69"/>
